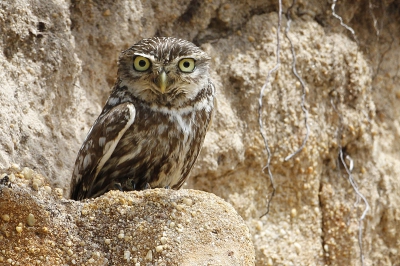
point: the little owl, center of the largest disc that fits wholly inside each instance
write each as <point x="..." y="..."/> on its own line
<point x="153" y="124"/>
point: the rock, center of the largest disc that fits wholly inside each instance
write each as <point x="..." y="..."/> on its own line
<point x="122" y="229"/>
<point x="58" y="63"/>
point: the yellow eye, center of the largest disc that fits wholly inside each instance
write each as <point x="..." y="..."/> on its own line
<point x="141" y="63"/>
<point x="186" y="65"/>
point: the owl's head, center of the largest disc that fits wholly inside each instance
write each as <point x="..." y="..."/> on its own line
<point x="164" y="70"/>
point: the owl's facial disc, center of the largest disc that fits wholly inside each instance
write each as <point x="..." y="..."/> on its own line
<point x="165" y="76"/>
<point x="165" y="71"/>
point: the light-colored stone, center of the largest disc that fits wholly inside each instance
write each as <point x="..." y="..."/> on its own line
<point x="227" y="238"/>
<point x="58" y="63"/>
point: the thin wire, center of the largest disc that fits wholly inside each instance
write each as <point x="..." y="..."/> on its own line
<point x="360" y="220"/>
<point x="341" y="21"/>
<point x="371" y="6"/>
<point x="350" y="177"/>
<point x="353" y="184"/>
<point x="303" y="86"/>
<point x="260" y="103"/>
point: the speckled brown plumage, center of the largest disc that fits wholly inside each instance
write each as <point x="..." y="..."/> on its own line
<point x="153" y="125"/>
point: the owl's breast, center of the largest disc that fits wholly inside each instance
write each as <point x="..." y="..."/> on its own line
<point x="159" y="148"/>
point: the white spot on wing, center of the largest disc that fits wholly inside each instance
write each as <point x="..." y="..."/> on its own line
<point x="86" y="161"/>
<point x="113" y="101"/>
<point x="102" y="141"/>
<point x="110" y="146"/>
<point x="129" y="156"/>
<point x="109" y="129"/>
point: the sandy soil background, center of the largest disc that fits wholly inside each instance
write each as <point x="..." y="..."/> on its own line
<point x="58" y="63"/>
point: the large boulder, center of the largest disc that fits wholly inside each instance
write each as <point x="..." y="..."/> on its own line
<point x="151" y="227"/>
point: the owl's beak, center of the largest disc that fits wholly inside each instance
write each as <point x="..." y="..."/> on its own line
<point x="162" y="81"/>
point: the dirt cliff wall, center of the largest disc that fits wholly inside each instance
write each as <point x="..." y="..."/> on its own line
<point x="59" y="63"/>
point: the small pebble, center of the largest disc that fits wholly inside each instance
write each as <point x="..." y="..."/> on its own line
<point x="59" y="192"/>
<point x="259" y="226"/>
<point x="159" y="248"/>
<point x="127" y="255"/>
<point x="5" y="217"/>
<point x="107" y="13"/>
<point x="27" y="172"/>
<point x="149" y="256"/>
<point x="31" y="220"/>
<point x="297" y="246"/>
<point x="15" y="167"/>
<point x="11" y="177"/>
<point x="19" y="228"/>
<point x="163" y="240"/>
<point x="35" y="186"/>
<point x="188" y="201"/>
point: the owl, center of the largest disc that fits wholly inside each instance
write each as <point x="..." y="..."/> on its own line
<point x="153" y="124"/>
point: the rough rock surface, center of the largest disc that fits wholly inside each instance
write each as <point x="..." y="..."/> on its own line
<point x="59" y="61"/>
<point x="152" y="227"/>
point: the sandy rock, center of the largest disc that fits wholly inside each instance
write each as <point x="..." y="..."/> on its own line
<point x="58" y="62"/>
<point x="163" y="227"/>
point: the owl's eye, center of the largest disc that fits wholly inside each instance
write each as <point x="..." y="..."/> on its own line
<point x="186" y="65"/>
<point x="141" y="63"/>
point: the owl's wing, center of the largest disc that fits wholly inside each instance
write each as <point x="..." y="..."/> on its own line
<point x="98" y="147"/>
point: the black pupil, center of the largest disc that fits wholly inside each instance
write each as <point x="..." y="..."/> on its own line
<point x="186" y="64"/>
<point x="142" y="63"/>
